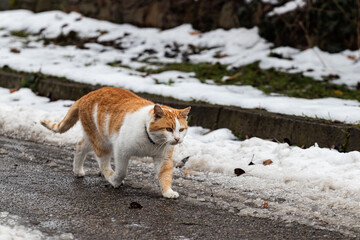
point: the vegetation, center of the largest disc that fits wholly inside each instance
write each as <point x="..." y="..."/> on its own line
<point x="20" y="33"/>
<point x="267" y="80"/>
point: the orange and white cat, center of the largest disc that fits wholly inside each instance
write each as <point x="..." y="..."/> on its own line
<point x="117" y="123"/>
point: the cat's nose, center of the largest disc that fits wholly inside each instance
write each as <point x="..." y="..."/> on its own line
<point x="177" y="139"/>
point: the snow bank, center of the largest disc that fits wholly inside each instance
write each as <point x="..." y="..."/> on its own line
<point x="240" y="46"/>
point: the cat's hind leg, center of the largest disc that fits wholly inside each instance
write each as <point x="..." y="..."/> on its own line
<point x="83" y="147"/>
<point x="121" y="164"/>
<point x="105" y="166"/>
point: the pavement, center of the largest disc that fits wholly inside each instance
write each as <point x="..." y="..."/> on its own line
<point x="37" y="184"/>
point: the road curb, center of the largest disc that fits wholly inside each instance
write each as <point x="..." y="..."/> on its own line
<point x="244" y="123"/>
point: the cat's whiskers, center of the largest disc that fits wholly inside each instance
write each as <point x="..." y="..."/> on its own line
<point x="158" y="147"/>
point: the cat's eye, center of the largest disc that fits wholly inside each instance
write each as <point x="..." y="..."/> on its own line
<point x="169" y="130"/>
<point x="182" y="129"/>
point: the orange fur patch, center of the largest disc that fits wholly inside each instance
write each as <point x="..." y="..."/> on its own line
<point x="112" y="103"/>
<point x="168" y="120"/>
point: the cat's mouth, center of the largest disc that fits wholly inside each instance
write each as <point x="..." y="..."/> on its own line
<point x="175" y="143"/>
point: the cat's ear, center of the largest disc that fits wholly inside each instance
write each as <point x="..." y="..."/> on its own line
<point x="185" y="112"/>
<point x="158" y="112"/>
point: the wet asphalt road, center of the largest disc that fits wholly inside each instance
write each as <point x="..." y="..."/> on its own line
<point x="36" y="183"/>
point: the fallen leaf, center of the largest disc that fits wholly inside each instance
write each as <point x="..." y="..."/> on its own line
<point x="266" y="204"/>
<point x="187" y="171"/>
<point x="267" y="162"/>
<point x="238" y="171"/>
<point x="14" y="50"/>
<point x="338" y="92"/>
<point x="223" y="55"/>
<point x="135" y="205"/>
<point x="234" y="76"/>
<point x="195" y="33"/>
<point x="14" y="90"/>
<point x="352" y="57"/>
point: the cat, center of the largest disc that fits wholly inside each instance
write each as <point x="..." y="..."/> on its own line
<point x="118" y="123"/>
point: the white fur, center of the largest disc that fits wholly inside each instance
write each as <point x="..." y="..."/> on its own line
<point x="130" y="141"/>
<point x="171" y="194"/>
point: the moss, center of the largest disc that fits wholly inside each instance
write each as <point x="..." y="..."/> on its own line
<point x="267" y="80"/>
<point x="30" y="81"/>
<point x="21" y="33"/>
<point x="203" y="71"/>
<point x="344" y="146"/>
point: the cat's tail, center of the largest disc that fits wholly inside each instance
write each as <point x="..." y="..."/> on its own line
<point x="69" y="120"/>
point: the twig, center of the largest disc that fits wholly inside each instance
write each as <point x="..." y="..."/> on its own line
<point x="342" y="10"/>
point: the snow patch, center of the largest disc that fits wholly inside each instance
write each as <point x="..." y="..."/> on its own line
<point x="239" y="46"/>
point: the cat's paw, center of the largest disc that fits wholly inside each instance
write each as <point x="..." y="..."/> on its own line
<point x="79" y="173"/>
<point x="115" y="184"/>
<point x="171" y="194"/>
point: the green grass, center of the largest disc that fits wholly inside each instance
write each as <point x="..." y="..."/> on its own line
<point x="267" y="80"/>
<point x="203" y="71"/>
<point x="21" y="33"/>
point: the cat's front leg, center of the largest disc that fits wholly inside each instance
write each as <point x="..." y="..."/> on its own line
<point x="163" y="168"/>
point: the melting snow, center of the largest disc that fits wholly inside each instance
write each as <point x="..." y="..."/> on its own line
<point x="240" y="46"/>
<point x="318" y="186"/>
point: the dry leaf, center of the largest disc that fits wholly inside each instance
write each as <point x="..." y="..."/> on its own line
<point x="234" y="76"/>
<point x="223" y="55"/>
<point x="267" y="162"/>
<point x="238" y="171"/>
<point x="187" y="171"/>
<point x="338" y="92"/>
<point x="195" y="33"/>
<point x="352" y="57"/>
<point x="266" y="204"/>
<point x="14" y="50"/>
<point x="14" y="90"/>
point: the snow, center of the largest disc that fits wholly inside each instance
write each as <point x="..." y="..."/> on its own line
<point x="239" y="46"/>
<point x="11" y="228"/>
<point x="287" y="7"/>
<point x="319" y="185"/>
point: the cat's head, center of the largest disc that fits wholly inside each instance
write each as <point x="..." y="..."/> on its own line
<point x="168" y="125"/>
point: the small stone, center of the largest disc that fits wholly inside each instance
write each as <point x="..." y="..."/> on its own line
<point x="192" y="195"/>
<point x="135" y="205"/>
